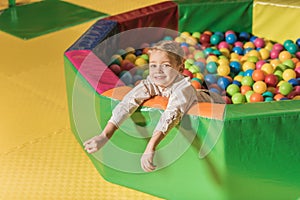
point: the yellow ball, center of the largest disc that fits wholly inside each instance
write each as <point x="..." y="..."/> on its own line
<point x="259" y="87"/>
<point x="248" y="65"/>
<point x="267" y="68"/>
<point x="269" y="46"/>
<point x="185" y="34"/>
<point x="253" y="53"/>
<point x="288" y="74"/>
<point x="179" y="39"/>
<point x="249" y="45"/>
<point x="223" y="70"/>
<point x="140" y="62"/>
<point x="284" y="55"/>
<point x="130" y="50"/>
<point x="275" y="62"/>
<point x="212" y="58"/>
<point x="225" y="52"/>
<point x="264" y="53"/>
<point x="238" y="78"/>
<point x="199" y="76"/>
<point x="223" y="61"/>
<point x="191" y="40"/>
<point x="131" y="57"/>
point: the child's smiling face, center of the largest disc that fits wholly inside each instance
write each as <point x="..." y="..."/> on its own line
<point x="162" y="68"/>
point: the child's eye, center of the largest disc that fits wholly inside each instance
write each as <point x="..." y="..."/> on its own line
<point x="152" y="65"/>
<point x="166" y="65"/>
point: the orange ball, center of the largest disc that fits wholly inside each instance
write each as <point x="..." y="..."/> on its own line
<point x="245" y="89"/>
<point x="258" y="75"/>
<point x="196" y="84"/>
<point x="279" y="96"/>
<point x="255" y="97"/>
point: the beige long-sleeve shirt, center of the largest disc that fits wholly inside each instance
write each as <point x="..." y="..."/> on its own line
<point x="181" y="94"/>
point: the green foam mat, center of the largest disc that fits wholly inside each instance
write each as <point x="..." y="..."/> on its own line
<point x="36" y="19"/>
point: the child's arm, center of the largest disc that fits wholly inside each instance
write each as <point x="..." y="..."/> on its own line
<point x="178" y="104"/>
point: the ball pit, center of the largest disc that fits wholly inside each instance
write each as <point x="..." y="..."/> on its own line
<point x="257" y="68"/>
<point x="258" y="147"/>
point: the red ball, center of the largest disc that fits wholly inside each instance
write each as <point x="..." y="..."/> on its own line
<point x="187" y="73"/>
<point x="271" y="80"/>
<point x="204" y="38"/>
<point x="115" y="68"/>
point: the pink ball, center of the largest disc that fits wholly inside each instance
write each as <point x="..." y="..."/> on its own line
<point x="259" y="43"/>
<point x="259" y="64"/>
<point x="298" y="55"/>
<point x="274" y="54"/>
<point x="238" y="44"/>
<point x="297" y="88"/>
<point x="278" y="47"/>
<point x="223" y="44"/>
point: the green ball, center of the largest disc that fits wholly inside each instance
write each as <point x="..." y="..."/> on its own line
<point x="238" y="98"/>
<point x="285" y="88"/>
<point x="145" y="73"/>
<point x="289" y="63"/>
<point x="232" y="89"/>
<point x="194" y="69"/>
<point x="247" y="80"/>
<point x="248" y="95"/>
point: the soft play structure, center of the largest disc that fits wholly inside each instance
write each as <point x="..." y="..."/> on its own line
<point x="232" y="151"/>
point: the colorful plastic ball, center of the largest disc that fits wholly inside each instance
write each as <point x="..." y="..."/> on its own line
<point x="145" y="57"/>
<point x="267" y="94"/>
<point x="279" y="96"/>
<point x="297" y="70"/>
<point x="278" y="47"/>
<point x="196" y="84"/>
<point x="210" y="78"/>
<point x="187" y="73"/>
<point x="288" y="74"/>
<point x="223" y="82"/>
<point x="231" y="38"/>
<point x="267" y="68"/>
<point x="245" y="88"/>
<point x="259" y="64"/>
<point x="145" y="73"/>
<point x="284" y="55"/>
<point x="126" y="77"/>
<point x="259" y="87"/>
<point x="253" y="38"/>
<point x="215" y="39"/>
<point x="232" y="89"/>
<point x="292" y="48"/>
<point x="204" y="38"/>
<point x="223" y="44"/>
<point x="238" y="78"/>
<point x="200" y="65"/>
<point x="191" y="40"/>
<point x="247" y="80"/>
<point x="259" y="43"/>
<point x="268" y="99"/>
<point x="258" y="75"/>
<point x="140" y="62"/>
<point x="211" y="67"/>
<point x="248" y="72"/>
<point x="248" y="65"/>
<point x="248" y="95"/>
<point x="244" y="36"/>
<point x="179" y="39"/>
<point x="115" y="68"/>
<point x="223" y="70"/>
<point x="256" y="97"/>
<point x="293" y="81"/>
<point x="236" y="82"/>
<point x="196" y="34"/>
<point x="238" y="98"/>
<point x="131" y="57"/>
<point x="287" y="43"/>
<point x="235" y="66"/>
<point x="226" y="99"/>
<point x="185" y="34"/>
<point x="264" y="53"/>
<point x="247" y="50"/>
<point x="274" y="53"/>
<point x="238" y="50"/>
<point x="249" y="45"/>
<point x="220" y="34"/>
<point x="271" y="80"/>
<point x="285" y="88"/>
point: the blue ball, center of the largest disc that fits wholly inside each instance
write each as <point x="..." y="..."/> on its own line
<point x="223" y="82"/>
<point x="237" y="83"/>
<point x="231" y="38"/>
<point x="252" y="38"/>
<point x="298" y="42"/>
<point x="244" y="36"/>
<point x="210" y="78"/>
<point x="215" y="90"/>
<point x="184" y="44"/>
<point x="238" y="50"/>
<point x="247" y="50"/>
<point x="126" y="77"/>
<point x="220" y="34"/>
<point x="235" y="67"/>
<point x="248" y="72"/>
<point x="200" y="65"/>
<point x="293" y="82"/>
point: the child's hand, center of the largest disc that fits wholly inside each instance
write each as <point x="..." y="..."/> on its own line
<point x="147" y="162"/>
<point x="95" y="143"/>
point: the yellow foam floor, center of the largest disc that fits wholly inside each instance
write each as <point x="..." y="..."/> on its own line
<point x="39" y="156"/>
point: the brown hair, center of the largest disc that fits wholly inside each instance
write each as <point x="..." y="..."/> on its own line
<point x="173" y="50"/>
